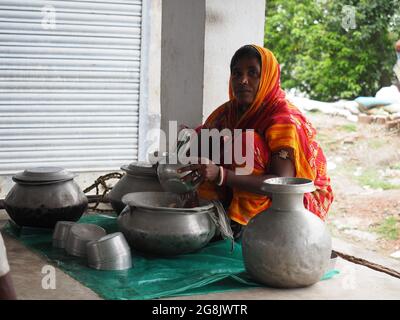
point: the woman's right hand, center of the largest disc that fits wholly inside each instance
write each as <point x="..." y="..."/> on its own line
<point x="208" y="171"/>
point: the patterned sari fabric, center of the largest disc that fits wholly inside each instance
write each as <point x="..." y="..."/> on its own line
<point x="277" y="124"/>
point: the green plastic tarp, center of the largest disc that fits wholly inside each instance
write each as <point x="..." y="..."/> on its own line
<point x="213" y="269"/>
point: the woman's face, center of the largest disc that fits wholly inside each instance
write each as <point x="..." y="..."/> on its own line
<point x="245" y="79"/>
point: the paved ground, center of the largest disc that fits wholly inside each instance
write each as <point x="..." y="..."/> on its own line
<point x="353" y="282"/>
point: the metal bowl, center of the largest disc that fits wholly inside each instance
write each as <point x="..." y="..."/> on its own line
<point x="60" y="234"/>
<point x="79" y="235"/>
<point x="110" y="252"/>
<point x="118" y="263"/>
<point x="107" y="248"/>
<point x="171" y="180"/>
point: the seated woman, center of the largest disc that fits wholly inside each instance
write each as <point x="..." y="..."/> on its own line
<point x="283" y="145"/>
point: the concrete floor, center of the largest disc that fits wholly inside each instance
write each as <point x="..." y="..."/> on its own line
<point x="353" y="282"/>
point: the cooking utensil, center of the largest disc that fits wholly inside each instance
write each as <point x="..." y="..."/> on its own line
<point x="139" y="176"/>
<point x="110" y="252"/>
<point x="79" y="235"/>
<point x="43" y="196"/>
<point x="60" y="234"/>
<point x="150" y="223"/>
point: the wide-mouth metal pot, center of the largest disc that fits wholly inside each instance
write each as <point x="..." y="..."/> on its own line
<point x="43" y="196"/>
<point x="152" y="225"/>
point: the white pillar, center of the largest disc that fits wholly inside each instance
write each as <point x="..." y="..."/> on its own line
<point x="182" y="61"/>
<point x="199" y="38"/>
<point x="150" y="109"/>
<point x="229" y="25"/>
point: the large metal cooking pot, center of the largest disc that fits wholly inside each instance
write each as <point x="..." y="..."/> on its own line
<point x="139" y="177"/>
<point x="43" y="196"/>
<point x="151" y="225"/>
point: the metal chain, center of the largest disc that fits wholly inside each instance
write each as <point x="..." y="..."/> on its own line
<point x="101" y="181"/>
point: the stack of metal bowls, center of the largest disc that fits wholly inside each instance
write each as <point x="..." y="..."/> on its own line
<point x="79" y="235"/>
<point x="61" y="232"/>
<point x="110" y="252"/>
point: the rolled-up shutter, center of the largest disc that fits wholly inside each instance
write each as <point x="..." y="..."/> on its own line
<point x="69" y="83"/>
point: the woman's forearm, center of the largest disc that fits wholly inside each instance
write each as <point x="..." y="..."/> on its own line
<point x="249" y="183"/>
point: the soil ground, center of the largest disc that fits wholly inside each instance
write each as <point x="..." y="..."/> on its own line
<point x="364" y="167"/>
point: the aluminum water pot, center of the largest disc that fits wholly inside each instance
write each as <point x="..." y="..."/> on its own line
<point x="286" y="246"/>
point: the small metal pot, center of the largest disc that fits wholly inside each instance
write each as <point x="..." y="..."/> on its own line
<point x="139" y="177"/>
<point x="43" y="196"/>
<point x="171" y="180"/>
<point x="151" y="226"/>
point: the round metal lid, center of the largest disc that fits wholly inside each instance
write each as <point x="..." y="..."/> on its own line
<point x="43" y="174"/>
<point x="140" y="169"/>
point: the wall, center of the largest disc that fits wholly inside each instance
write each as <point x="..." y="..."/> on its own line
<point x="190" y="46"/>
<point x="228" y="27"/>
<point x="199" y="38"/>
<point x="182" y="60"/>
<point x="151" y="116"/>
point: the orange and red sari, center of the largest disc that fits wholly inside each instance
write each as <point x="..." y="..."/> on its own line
<point x="277" y="124"/>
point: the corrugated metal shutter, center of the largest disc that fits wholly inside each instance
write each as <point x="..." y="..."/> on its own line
<point x="69" y="96"/>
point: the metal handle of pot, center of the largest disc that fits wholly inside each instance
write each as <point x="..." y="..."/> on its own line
<point x="125" y="210"/>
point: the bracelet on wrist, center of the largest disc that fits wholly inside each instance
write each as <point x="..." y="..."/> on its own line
<point x="221" y="176"/>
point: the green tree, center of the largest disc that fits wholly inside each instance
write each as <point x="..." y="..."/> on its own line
<point x="320" y="57"/>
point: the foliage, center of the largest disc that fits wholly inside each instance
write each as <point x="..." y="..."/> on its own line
<point x="319" y="57"/>
<point x="370" y="177"/>
<point x="388" y="228"/>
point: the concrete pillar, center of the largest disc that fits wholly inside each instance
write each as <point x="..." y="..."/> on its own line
<point x="199" y="38"/>
<point x="229" y="25"/>
<point x="149" y="121"/>
<point x="182" y="61"/>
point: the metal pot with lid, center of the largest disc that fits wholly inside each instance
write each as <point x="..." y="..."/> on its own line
<point x="43" y="196"/>
<point x="140" y="176"/>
